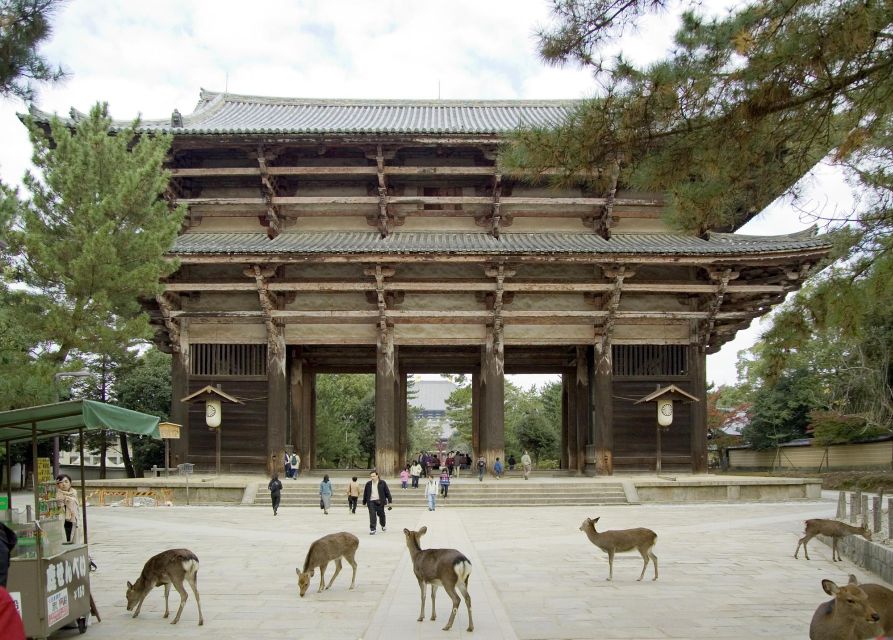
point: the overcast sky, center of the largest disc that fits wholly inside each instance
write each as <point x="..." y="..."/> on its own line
<point x="148" y="58"/>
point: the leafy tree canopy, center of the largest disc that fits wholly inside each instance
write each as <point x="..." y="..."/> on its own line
<point x="24" y="25"/>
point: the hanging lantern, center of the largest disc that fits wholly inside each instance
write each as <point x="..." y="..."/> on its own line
<point x="213" y="412"/>
<point x="665" y="411"/>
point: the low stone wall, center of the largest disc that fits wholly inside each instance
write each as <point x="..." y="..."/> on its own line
<point x="133" y="492"/>
<point x="729" y="490"/>
<point x="871" y="556"/>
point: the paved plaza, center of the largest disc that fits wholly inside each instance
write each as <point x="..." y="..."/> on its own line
<point x="726" y="571"/>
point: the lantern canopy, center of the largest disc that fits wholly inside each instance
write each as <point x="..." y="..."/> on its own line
<point x="664" y="397"/>
<point x="213" y="399"/>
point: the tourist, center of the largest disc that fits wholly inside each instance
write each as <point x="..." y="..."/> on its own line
<point x="69" y="498"/>
<point x="482" y="467"/>
<point x="450" y="462"/>
<point x="431" y="493"/>
<point x="404" y="477"/>
<point x="375" y="496"/>
<point x="526" y="464"/>
<point x="275" y="488"/>
<point x="444" y="482"/>
<point x="286" y="463"/>
<point x="8" y="541"/>
<point x="415" y="471"/>
<point x="325" y="494"/>
<point x="512" y="463"/>
<point x="11" y="625"/>
<point x="353" y="494"/>
<point x="497" y="468"/>
<point x="295" y="465"/>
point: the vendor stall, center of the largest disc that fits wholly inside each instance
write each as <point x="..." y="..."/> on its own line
<point x="49" y="577"/>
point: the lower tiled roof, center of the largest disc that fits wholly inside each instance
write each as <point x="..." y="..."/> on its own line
<point x="484" y="244"/>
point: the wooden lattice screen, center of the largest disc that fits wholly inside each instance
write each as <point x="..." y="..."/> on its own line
<point x="228" y="360"/>
<point x="650" y="360"/>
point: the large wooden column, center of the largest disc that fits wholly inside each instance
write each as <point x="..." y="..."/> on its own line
<point x="581" y="405"/>
<point x="277" y="397"/>
<point x="386" y="441"/>
<point x="492" y="430"/>
<point x="600" y="454"/>
<point x="402" y="421"/>
<point x="302" y="423"/>
<point x="476" y="415"/>
<point x="180" y="389"/>
<point x="566" y="402"/>
<point x="697" y="360"/>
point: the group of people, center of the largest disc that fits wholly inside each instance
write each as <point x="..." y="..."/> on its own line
<point x="292" y="463"/>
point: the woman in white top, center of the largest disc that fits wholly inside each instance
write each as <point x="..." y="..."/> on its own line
<point x="431" y="492"/>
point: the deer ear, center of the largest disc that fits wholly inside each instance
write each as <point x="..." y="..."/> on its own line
<point x="298" y="571"/>
<point x="423" y="531"/>
<point x="853" y="579"/>
<point x="129" y="586"/>
<point x="829" y="587"/>
<point x="594" y="520"/>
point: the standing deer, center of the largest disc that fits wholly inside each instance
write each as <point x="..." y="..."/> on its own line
<point x="323" y="551"/>
<point x="439" y="567"/>
<point x="622" y="540"/>
<point x="837" y="619"/>
<point x="833" y="529"/>
<point x="168" y="568"/>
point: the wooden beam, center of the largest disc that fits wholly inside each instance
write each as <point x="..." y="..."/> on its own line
<point x="172" y="326"/>
<point x="342" y="170"/>
<point x="418" y="200"/>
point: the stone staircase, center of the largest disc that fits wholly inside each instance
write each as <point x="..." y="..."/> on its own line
<point x="465" y="492"/>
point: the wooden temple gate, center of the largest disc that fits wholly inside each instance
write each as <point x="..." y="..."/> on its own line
<point x="381" y="237"/>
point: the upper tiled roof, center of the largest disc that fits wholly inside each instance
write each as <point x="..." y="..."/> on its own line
<point x="223" y="113"/>
<point x="410" y="243"/>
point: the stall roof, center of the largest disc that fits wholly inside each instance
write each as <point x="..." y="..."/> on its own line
<point x="60" y="418"/>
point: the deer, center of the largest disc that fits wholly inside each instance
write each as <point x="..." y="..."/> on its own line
<point x="844" y="617"/>
<point x="440" y="567"/>
<point x="622" y="540"/>
<point x="881" y="600"/>
<point x="833" y="529"/>
<point x="334" y="546"/>
<point x="167" y="568"/>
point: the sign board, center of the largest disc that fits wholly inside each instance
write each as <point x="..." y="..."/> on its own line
<point x="44" y="470"/>
<point x="4" y="503"/>
<point x="169" y="430"/>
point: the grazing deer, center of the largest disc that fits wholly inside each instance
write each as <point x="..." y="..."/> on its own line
<point x="837" y="619"/>
<point x="833" y="529"/>
<point x="439" y="567"/>
<point x="168" y="568"/>
<point x="622" y="540"/>
<point x="328" y="548"/>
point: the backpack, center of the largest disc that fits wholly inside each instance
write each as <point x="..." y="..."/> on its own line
<point x="481" y="464"/>
<point x="294" y="460"/>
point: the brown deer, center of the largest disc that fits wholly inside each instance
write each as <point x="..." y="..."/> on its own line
<point x="833" y="529"/>
<point x="168" y="568"/>
<point x="622" y="540"/>
<point x="881" y="600"/>
<point x="323" y="551"/>
<point x="837" y="619"/>
<point x="440" y="567"/>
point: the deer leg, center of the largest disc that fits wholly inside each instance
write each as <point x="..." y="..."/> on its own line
<point x="433" y="595"/>
<point x="422" y="612"/>
<point x="644" y="565"/>
<point x="193" y="582"/>
<point x="139" y="605"/>
<point x="462" y="585"/>
<point x="322" y="577"/>
<point x="335" y="575"/>
<point x="451" y="592"/>
<point x="183" y="598"/>
<point x="835" y="554"/>
<point x="353" y="564"/>
<point x="167" y="591"/>
<point x="610" y="565"/>
<point x="804" y="540"/>
<point x="653" y="559"/>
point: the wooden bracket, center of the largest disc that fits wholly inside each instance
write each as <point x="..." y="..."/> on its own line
<point x="723" y="279"/>
<point x="269" y="190"/>
<point x="171" y="324"/>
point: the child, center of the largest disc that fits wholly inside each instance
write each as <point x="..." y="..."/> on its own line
<point x="404" y="477"/>
<point x="353" y="494"/>
<point x="444" y="482"/>
<point x="497" y="468"/>
<point x="431" y="492"/>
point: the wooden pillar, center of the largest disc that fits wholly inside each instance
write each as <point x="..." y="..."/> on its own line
<point x="386" y="453"/>
<point x="492" y="431"/>
<point x="583" y="411"/>
<point x="277" y="397"/>
<point x="310" y="396"/>
<point x="402" y="421"/>
<point x="697" y="362"/>
<point x="475" y="414"/>
<point x="180" y="389"/>
<point x="600" y="454"/>
<point x="566" y="401"/>
<point x="299" y="415"/>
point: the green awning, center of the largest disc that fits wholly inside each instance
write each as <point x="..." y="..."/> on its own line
<point x="61" y="418"/>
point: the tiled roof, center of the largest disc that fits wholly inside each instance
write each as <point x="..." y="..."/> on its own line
<point x="482" y="244"/>
<point x="221" y="113"/>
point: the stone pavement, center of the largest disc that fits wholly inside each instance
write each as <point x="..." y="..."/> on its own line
<point x="726" y="571"/>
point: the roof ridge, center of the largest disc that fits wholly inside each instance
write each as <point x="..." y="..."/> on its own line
<point x="207" y="96"/>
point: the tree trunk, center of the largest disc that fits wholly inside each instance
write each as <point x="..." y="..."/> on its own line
<point x="125" y="454"/>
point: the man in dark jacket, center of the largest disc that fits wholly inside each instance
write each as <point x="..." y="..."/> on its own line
<point x="8" y="540"/>
<point x="375" y="496"/>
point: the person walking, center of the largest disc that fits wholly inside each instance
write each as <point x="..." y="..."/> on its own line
<point x="415" y="471"/>
<point x="431" y="492"/>
<point x="353" y="494"/>
<point x="497" y="468"/>
<point x="482" y="466"/>
<point x="286" y="463"/>
<point x="295" y="464"/>
<point x="526" y="464"/>
<point x="375" y="496"/>
<point x="69" y="497"/>
<point x="325" y="494"/>
<point x="275" y="488"/>
<point x="450" y="462"/>
<point x="404" y="477"/>
<point x="512" y="462"/>
<point x="444" y="483"/>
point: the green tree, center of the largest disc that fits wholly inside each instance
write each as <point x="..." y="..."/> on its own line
<point x="780" y="412"/>
<point x="345" y="420"/>
<point x="91" y="239"/>
<point x="144" y="384"/>
<point x="24" y="25"/>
